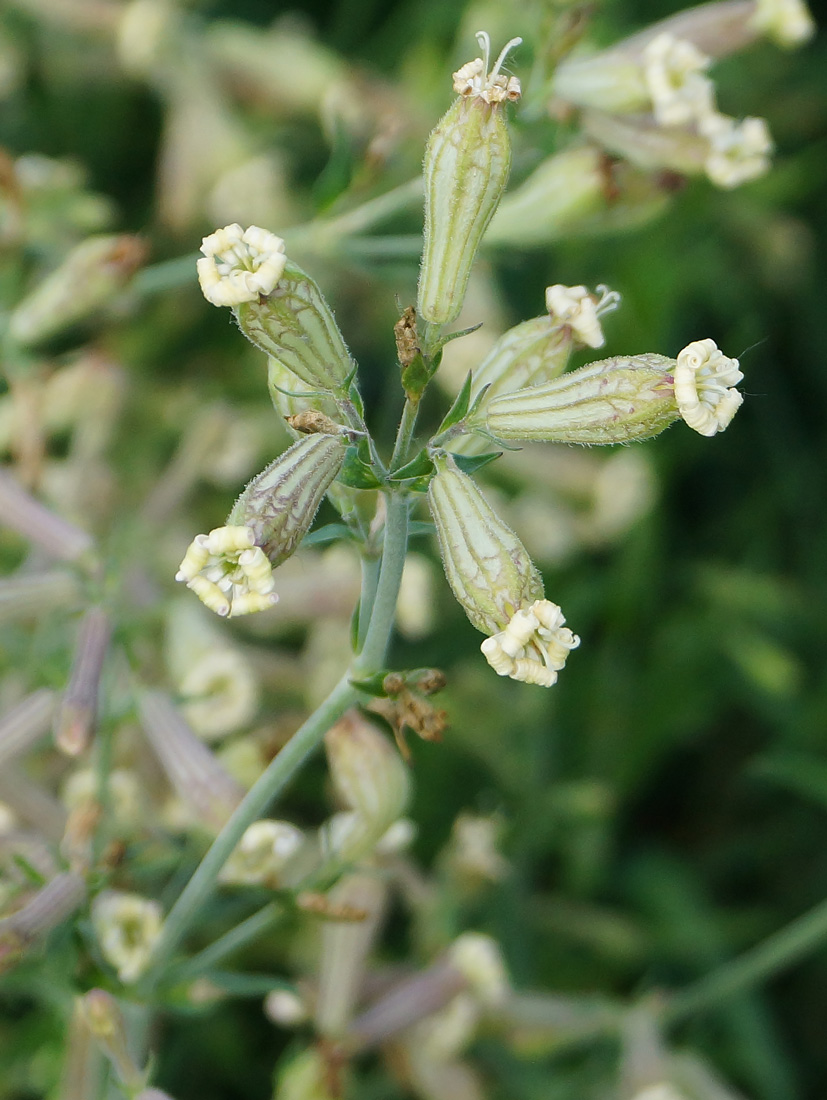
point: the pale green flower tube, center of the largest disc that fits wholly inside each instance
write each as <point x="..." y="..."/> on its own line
<point x="467" y="162"/>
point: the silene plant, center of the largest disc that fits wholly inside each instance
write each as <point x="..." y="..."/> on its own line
<point x="647" y="100"/>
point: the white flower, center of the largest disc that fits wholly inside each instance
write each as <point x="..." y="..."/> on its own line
<point x="479" y="959"/>
<point x="534" y="645"/>
<point x="240" y="265"/>
<point x="673" y="72"/>
<point x="474" y="80"/>
<point x="228" y="572"/>
<point x="580" y="310"/>
<point x="738" y="151"/>
<point x="704" y="378"/>
<point x="262" y="854"/>
<point x="787" y="21"/>
<point x="127" y="927"/>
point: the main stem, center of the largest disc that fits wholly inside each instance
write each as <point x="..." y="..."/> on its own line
<point x="753" y="967"/>
<point x="272" y="782"/>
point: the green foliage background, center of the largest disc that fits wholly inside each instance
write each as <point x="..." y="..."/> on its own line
<point x="666" y="803"/>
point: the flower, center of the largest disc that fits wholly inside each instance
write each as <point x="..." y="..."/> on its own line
<point x="239" y="264"/>
<point x="534" y="645"/>
<point x="738" y="151"/>
<point x="473" y="80"/>
<point x="228" y="572"/>
<point x="261" y="855"/>
<point x="704" y="378"/>
<point x="580" y="310"/>
<point x="672" y="70"/>
<point x="127" y="927"/>
<point x="787" y="21"/>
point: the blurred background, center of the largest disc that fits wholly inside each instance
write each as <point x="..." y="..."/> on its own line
<point x="664" y="807"/>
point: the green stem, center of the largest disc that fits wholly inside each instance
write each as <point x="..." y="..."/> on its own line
<point x="232" y="941"/>
<point x="753" y="967"/>
<point x="271" y="783"/>
<point x="321" y="234"/>
<point x="370" y="581"/>
<point x="395" y="547"/>
<point x="405" y="433"/>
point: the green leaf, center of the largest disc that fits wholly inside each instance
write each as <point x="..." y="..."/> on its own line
<point x="416" y="376"/>
<point x="331" y="532"/>
<point x="469" y="464"/>
<point x="459" y="408"/>
<point x="357" y="473"/>
<point x="420" y="466"/>
<point x="420" y="527"/>
<point x="372" y="685"/>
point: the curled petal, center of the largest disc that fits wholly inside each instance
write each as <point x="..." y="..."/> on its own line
<point x="704" y="381"/>
<point x="534" y="645"/>
<point x="240" y="265"/>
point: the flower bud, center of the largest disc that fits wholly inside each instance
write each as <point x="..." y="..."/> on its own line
<point x="24" y="724"/>
<point x="262" y="854"/>
<point x="90" y="277"/>
<point x="196" y="775"/>
<point x="127" y="927"/>
<point x="575" y="191"/>
<point x="278" y="307"/>
<point x="368" y="773"/>
<point x="50" y="906"/>
<point x="308" y="1077"/>
<point x="103" y="1017"/>
<point x="76" y="717"/>
<point x="467" y="162"/>
<point x="231" y="568"/>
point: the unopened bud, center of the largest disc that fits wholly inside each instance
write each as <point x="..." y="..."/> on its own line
<point x="23" y="513"/>
<point x="576" y="191"/>
<point x="367" y="772"/>
<point x="77" y="715"/>
<point x="467" y="162"/>
<point x="50" y="906"/>
<point x="105" y="1021"/>
<point x="24" y="724"/>
<point x="127" y="927"/>
<point x="196" y="775"/>
<point x="308" y="1076"/>
<point x="90" y="277"/>
<point x="262" y="854"/>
